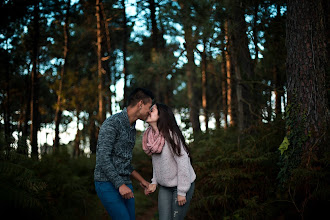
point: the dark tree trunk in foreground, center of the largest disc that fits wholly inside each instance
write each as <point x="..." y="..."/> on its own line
<point x="190" y="68"/>
<point x="306" y="70"/>
<point x="35" y="84"/>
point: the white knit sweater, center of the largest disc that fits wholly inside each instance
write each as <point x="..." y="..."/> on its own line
<point x="171" y="170"/>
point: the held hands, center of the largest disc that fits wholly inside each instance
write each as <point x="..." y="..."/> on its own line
<point x="152" y="188"/>
<point x="181" y="200"/>
<point x="145" y="186"/>
<point x="126" y="192"/>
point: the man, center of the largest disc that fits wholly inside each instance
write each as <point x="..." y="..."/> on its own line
<point x="113" y="167"/>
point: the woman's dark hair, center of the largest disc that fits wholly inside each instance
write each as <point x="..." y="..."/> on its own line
<point x="168" y="127"/>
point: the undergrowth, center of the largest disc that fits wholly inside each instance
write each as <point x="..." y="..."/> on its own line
<point x="237" y="178"/>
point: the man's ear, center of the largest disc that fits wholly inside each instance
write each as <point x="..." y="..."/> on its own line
<point x="140" y="104"/>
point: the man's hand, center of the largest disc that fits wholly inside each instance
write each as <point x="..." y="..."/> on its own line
<point x="181" y="200"/>
<point x="145" y="185"/>
<point x="126" y="192"/>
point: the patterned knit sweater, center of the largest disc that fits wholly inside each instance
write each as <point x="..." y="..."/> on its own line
<point x="115" y="143"/>
<point x="171" y="170"/>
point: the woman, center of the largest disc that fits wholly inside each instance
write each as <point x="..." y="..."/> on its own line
<point x="172" y="170"/>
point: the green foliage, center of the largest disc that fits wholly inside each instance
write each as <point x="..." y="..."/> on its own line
<point x="54" y="187"/>
<point x="284" y="146"/>
<point x="241" y="181"/>
<point x="235" y="182"/>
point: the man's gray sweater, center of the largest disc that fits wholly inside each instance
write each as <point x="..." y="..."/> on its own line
<point x="115" y="144"/>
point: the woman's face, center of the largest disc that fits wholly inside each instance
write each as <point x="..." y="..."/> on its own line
<point x="153" y="116"/>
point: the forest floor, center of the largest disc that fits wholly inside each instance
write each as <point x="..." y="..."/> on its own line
<point x="150" y="213"/>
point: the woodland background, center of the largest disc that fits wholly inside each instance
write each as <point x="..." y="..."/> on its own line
<point x="249" y="81"/>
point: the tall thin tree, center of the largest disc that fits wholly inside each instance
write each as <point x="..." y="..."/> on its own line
<point x="100" y="70"/>
<point x="58" y="111"/>
<point x="35" y="83"/>
<point x="190" y="66"/>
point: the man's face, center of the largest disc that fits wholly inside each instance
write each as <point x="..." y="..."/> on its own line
<point x="145" y="110"/>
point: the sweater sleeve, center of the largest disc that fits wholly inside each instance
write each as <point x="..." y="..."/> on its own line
<point x="106" y="141"/>
<point x="153" y="180"/>
<point x="183" y="171"/>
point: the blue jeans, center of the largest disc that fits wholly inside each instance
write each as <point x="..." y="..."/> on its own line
<point x="168" y="207"/>
<point x="117" y="207"/>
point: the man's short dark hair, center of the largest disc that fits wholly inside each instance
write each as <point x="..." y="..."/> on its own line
<point x="139" y="94"/>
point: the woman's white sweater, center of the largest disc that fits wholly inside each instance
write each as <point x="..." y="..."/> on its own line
<point x="171" y="170"/>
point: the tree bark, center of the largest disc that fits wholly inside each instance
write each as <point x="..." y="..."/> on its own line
<point x="306" y="70"/>
<point x="243" y="64"/>
<point x="76" y="150"/>
<point x="107" y="78"/>
<point x="224" y="87"/>
<point x="58" y="111"/>
<point x="100" y="70"/>
<point x="190" y="69"/>
<point x="229" y="77"/>
<point x="125" y="39"/>
<point x="6" y="104"/>
<point x="204" y="88"/>
<point x="35" y="85"/>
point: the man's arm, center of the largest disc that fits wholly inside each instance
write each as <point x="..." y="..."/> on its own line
<point x="106" y="141"/>
<point x="139" y="178"/>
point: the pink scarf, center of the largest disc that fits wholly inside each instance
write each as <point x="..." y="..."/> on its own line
<point x="152" y="142"/>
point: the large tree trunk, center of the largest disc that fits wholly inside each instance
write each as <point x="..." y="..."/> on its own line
<point x="58" y="111"/>
<point x="190" y="69"/>
<point x="35" y="85"/>
<point x="306" y="70"/>
<point x="243" y="64"/>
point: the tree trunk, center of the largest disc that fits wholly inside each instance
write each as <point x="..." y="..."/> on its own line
<point x="204" y="88"/>
<point x="100" y="70"/>
<point x="278" y="93"/>
<point x="224" y="87"/>
<point x="106" y="65"/>
<point x="306" y="69"/>
<point x="76" y="150"/>
<point x="125" y="39"/>
<point x="243" y="63"/>
<point x="23" y="146"/>
<point x="229" y="77"/>
<point x="255" y="33"/>
<point x="58" y="111"/>
<point x="154" y="28"/>
<point x="35" y="85"/>
<point x="92" y="133"/>
<point x="159" y="81"/>
<point x="7" y="104"/>
<point x="190" y="70"/>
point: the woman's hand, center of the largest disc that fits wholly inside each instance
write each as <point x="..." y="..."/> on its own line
<point x="152" y="188"/>
<point x="181" y="200"/>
